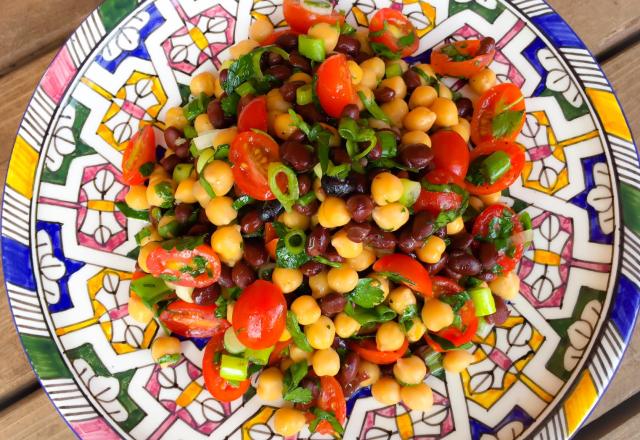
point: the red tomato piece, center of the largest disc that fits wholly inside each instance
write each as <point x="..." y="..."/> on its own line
<point x="331" y="399"/>
<point x="496" y="101"/>
<point x="301" y="16"/>
<point x="251" y="153"/>
<point x="393" y="29"/>
<point x="259" y="315"/>
<point x="516" y="155"/>
<point x="254" y="115"/>
<point x="450" y="152"/>
<point x="140" y="150"/>
<point x="198" y="267"/>
<point x="368" y="350"/>
<point x="334" y="87"/>
<point x="484" y="221"/>
<point x="458" y="336"/>
<point x="408" y="268"/>
<point x="218" y="387"/>
<point x="460" y="59"/>
<point x="191" y="320"/>
<point x="438" y="201"/>
<point x="277" y="353"/>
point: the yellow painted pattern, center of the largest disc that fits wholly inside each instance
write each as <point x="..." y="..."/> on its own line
<point x="101" y="205"/>
<point x="549" y="258"/>
<point x="536" y="388"/>
<point x="405" y="426"/>
<point x="22" y="167"/>
<point x="198" y="37"/>
<point x="580" y="401"/>
<point x="189" y="394"/>
<point x="261" y="418"/>
<point x="610" y="113"/>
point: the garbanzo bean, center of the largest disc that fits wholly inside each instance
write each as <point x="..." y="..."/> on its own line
<point x="389" y="336"/>
<point x="417" y="397"/>
<point x="383" y="282"/>
<point x="203" y="83"/>
<point x="294" y="220"/>
<point x="444" y="91"/>
<point x="422" y="96"/>
<point x="476" y="203"/>
<point x="488" y="199"/>
<point x="463" y="128"/>
<point x="165" y="345"/>
<point x="420" y="118"/>
<point x="227" y="242"/>
<point x="218" y="174"/>
<point x="483" y="80"/>
<point x="506" y="286"/>
<point x="144" y="254"/>
<point x="136" y="198"/>
<point x="436" y="314"/>
<point x="285" y="336"/>
<point x="415" y="137"/>
<point x="306" y="309"/>
<point x="288" y="421"/>
<point x="287" y="279"/>
<point x="260" y="30"/>
<point x="283" y="126"/>
<point x="386" y="390"/>
<point x="362" y="35"/>
<point x="242" y="48"/>
<point x="325" y="362"/>
<point x="201" y="195"/>
<point x="371" y="370"/>
<point x="432" y="250"/>
<point x="455" y="226"/>
<point x="321" y="333"/>
<point x="416" y="331"/>
<point x="457" y="361"/>
<point x="391" y="217"/>
<point x="220" y="211"/>
<point x="202" y="124"/>
<point x="345" y="247"/>
<point x="301" y="76"/>
<point x="224" y="136"/>
<point x="355" y="71"/>
<point x="345" y="325"/>
<point x="400" y="298"/>
<point x="297" y="354"/>
<point x="275" y="102"/>
<point x="230" y="306"/>
<point x="426" y="68"/>
<point x="319" y="285"/>
<point x="396" y="110"/>
<point x="333" y="212"/>
<point x="400" y="62"/>
<point x="366" y="258"/>
<point x="374" y="64"/>
<point x="326" y="32"/>
<point x="184" y="191"/>
<point x="410" y="370"/>
<point x="218" y="91"/>
<point x="270" y="384"/>
<point x="386" y="188"/>
<point x="446" y="112"/>
<point x="342" y="279"/>
<point x="396" y="84"/>
<point x="175" y="118"/>
<point x="137" y="310"/>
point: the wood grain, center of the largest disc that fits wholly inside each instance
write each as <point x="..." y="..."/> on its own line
<point x="34" y="418"/>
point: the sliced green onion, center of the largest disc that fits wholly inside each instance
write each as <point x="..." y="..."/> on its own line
<point x="155" y="214"/>
<point x="205" y="140"/>
<point x="259" y="357"/>
<point x="304" y="95"/>
<point x="312" y="48"/>
<point x="388" y="143"/>
<point x="433" y="361"/>
<point x="196" y="107"/>
<point x="132" y="213"/>
<point x="373" y="109"/>
<point x="327" y="262"/>
<point x="190" y="132"/>
<point x="348" y="129"/>
<point x="525" y="219"/>
<point x="245" y="89"/>
<point x="142" y="234"/>
<point x="496" y="165"/>
<point x="393" y="70"/>
<point x="347" y="29"/>
<point x="483" y="301"/>
<point x="205" y="157"/>
<point x="307" y="198"/>
<point x="242" y="201"/>
<point x="150" y="290"/>
<point x="222" y="152"/>
<point x="169" y="359"/>
<point x="207" y="187"/>
<point x="410" y="192"/>
<point x="295" y="241"/>
<point x="233" y="368"/>
<point x="232" y="343"/>
<point x="182" y="171"/>
<point x="169" y="229"/>
<point x="287" y="200"/>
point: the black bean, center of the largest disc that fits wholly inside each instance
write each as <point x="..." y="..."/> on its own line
<point x="384" y="94"/>
<point x="246" y="99"/>
<point x="198" y="229"/>
<point x="487" y="276"/>
<point x="332" y="255"/>
<point x="423" y="225"/>
<point x="298" y="136"/>
<point x="417" y="156"/>
<point x="438" y="266"/>
<point x="182" y="212"/>
<point x="309" y="209"/>
<point x="297" y="155"/>
<point x="357" y="232"/>
<point x="242" y="274"/>
<point x="182" y="150"/>
<point x="251" y="222"/>
<point x="339" y="156"/>
<point x="348" y="368"/>
<point x="270" y="209"/>
<point x="501" y="314"/>
<point x="348" y="45"/>
<point x="350" y="111"/>
<point x="332" y="304"/>
<point x="288" y="42"/>
<point x="273" y="59"/>
<point x="411" y="79"/>
<point x="407" y="243"/>
<point x="304" y="184"/>
<point x="311" y="268"/>
<point x="361" y="57"/>
<point x="465" y="107"/>
<point x="461" y="240"/>
<point x="488" y="255"/>
<point x="300" y="62"/>
<point x="225" y="279"/>
<point x="380" y="239"/>
<point x="280" y="72"/>
<point x="335" y="186"/>
<point x="224" y="74"/>
<point x="318" y="241"/>
<point x="216" y="114"/>
<point x="206" y="296"/>
<point x="464" y="264"/>
<point x="360" y="182"/>
<point x="255" y="253"/>
<point x="288" y="90"/>
<point x="487" y="44"/>
<point x="171" y="135"/>
<point x="169" y="163"/>
<point x="360" y="207"/>
<point x="451" y="274"/>
<point x="310" y="113"/>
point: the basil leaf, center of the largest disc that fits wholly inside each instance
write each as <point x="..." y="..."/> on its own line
<point x="297" y="335"/>
<point x="506" y="122"/>
<point x="367" y="294"/>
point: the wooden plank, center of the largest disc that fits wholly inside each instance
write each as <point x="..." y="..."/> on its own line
<point x="32" y="27"/>
<point x="34" y="418"/>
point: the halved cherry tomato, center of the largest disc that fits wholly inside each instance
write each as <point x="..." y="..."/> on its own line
<point x="460" y="59"/>
<point x="271" y="248"/>
<point x="140" y="150"/>
<point x="368" y="350"/>
<point x="254" y="115"/>
<point x="334" y="87"/>
<point x="301" y="14"/>
<point x="450" y="152"/>
<point x="276" y="355"/>
<point x="408" y="268"/>
<point x="218" y="387"/>
<point x="486" y="220"/>
<point x="516" y="155"/>
<point x="251" y="153"/>
<point x="331" y="399"/>
<point x="393" y="29"/>
<point x="438" y="201"/>
<point x="488" y="125"/>
<point x="259" y="315"/>
<point x="269" y="232"/>
<point x="192" y="320"/>
<point x="458" y="336"/>
<point x="198" y="267"/>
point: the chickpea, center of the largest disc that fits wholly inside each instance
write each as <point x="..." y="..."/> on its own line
<point x="417" y="397"/>
<point x="227" y="242"/>
<point x="463" y="128"/>
<point x="242" y="48"/>
<point x="370" y="370"/>
<point x="345" y="247"/>
<point x="396" y="110"/>
<point x="321" y="333"/>
<point x="386" y="188"/>
<point x="333" y="212"/>
<point x="386" y="391"/>
<point x="283" y="126"/>
<point x="488" y="199"/>
<point x="345" y="325"/>
<point x="416" y="331"/>
<point x="400" y="62"/>
<point x="306" y="309"/>
<point x="444" y="91"/>
<point x="276" y="102"/>
<point x="220" y="211"/>
<point x="422" y="96"/>
<point x="136" y="198"/>
<point x="325" y="362"/>
<point x="184" y="191"/>
<point x="391" y="217"/>
<point x="271" y="119"/>
<point x="415" y="137"/>
<point x="202" y="124"/>
<point x="175" y="118"/>
<point x="355" y="71"/>
<point x="383" y="282"/>
<point x="376" y="65"/>
<point x="144" y="254"/>
<point x="202" y="83"/>
<point x="285" y="364"/>
<point x="218" y="174"/>
<point x="476" y="203"/>
<point x="230" y="307"/>
<point x="400" y="298"/>
<point x="260" y="30"/>
<point x="426" y="68"/>
<point x="483" y="80"/>
<point x="436" y="314"/>
<point x="432" y="250"/>
<point x="362" y="35"/>
<point x="506" y="286"/>
<point x="285" y="336"/>
<point x="365" y="90"/>
<point x="200" y="194"/>
<point x="410" y="370"/>
<point x="455" y="226"/>
<point x="165" y="345"/>
<point x="294" y="220"/>
<point x="288" y="421"/>
<point x="297" y="354"/>
<point x="301" y="76"/>
<point x="286" y="279"/>
<point x="457" y="361"/>
<point x="224" y="136"/>
<point x="161" y="193"/>
<point x="366" y="258"/>
<point x="420" y="118"/>
<point x="218" y="91"/>
<point x="326" y="32"/>
<point x="270" y="384"/>
<point x="342" y="279"/>
<point x="396" y="84"/>
<point x="389" y="336"/>
<point x="319" y="285"/>
<point x="446" y="112"/>
<point x="137" y="310"/>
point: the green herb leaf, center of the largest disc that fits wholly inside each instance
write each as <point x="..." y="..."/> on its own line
<point x="456" y="301"/>
<point x="132" y="213"/>
<point x="221" y="309"/>
<point x="396" y="278"/>
<point x="367" y="293"/>
<point x="298" y="395"/>
<point x="326" y="262"/>
<point x="292" y="378"/>
<point x="379" y="313"/>
<point x="297" y="335"/>
<point x="286" y="258"/>
<point x="406" y="319"/>
<point x="407" y="40"/>
<point x="146" y="169"/>
<point x="170" y="359"/>
<point x="329" y="417"/>
<point x="229" y="104"/>
<point x="383" y="51"/>
<point x="183" y="243"/>
<point x="448" y="345"/>
<point x="242" y="201"/>
<point x="505" y="123"/>
<point x="454" y="54"/>
<point x="240" y="71"/>
<point x="430" y="80"/>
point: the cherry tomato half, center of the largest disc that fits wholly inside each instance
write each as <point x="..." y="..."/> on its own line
<point x="460" y="59"/>
<point x="218" y="387"/>
<point x="458" y="336"/>
<point x="516" y="155"/>
<point x="408" y="268"/>
<point x="334" y="87"/>
<point x="254" y="115"/>
<point x="498" y="114"/>
<point x="140" y="150"/>
<point x="301" y="14"/>
<point x="331" y="399"/>
<point x="486" y="220"/>
<point x="259" y="315"/>
<point x="438" y="201"/>
<point x="393" y="29"/>
<point x="277" y="354"/>
<point x="251" y="153"/>
<point x="450" y="152"/>
<point x="191" y="320"/>
<point x="198" y="267"/>
<point x="368" y="350"/>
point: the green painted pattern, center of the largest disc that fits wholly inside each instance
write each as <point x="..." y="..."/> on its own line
<point x="569" y="111"/>
<point x="113" y="11"/>
<point x="630" y="206"/>
<point x="488" y="14"/>
<point x="45" y="357"/>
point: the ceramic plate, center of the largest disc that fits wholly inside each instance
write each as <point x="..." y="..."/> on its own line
<point x="67" y="250"/>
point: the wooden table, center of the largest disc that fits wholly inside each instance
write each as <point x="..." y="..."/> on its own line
<point x="33" y="30"/>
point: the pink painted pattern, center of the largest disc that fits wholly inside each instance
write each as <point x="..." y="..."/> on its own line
<point x="94" y="429"/>
<point x="59" y="75"/>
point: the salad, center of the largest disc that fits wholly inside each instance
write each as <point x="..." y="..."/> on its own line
<point x="328" y="216"/>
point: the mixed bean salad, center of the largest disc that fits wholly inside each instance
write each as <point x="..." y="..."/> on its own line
<point x="329" y="216"/>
